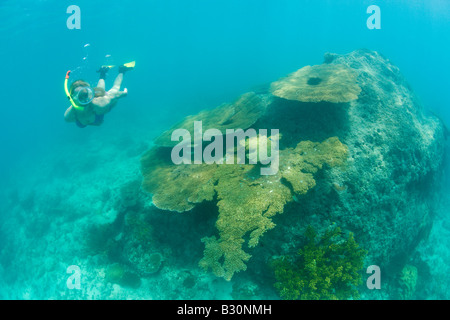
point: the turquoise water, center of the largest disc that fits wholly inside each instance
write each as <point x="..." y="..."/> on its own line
<point x="59" y="182"/>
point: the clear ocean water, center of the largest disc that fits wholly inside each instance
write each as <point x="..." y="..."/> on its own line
<point x="59" y="181"/>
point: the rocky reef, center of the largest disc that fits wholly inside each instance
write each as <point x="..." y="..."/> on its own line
<point x="357" y="151"/>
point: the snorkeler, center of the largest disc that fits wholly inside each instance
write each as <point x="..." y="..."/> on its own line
<point x="89" y="105"/>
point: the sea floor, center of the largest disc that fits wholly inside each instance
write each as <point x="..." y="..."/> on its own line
<point x="50" y="204"/>
<point x="53" y="198"/>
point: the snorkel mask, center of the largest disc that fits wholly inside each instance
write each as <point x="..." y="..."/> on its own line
<point x="83" y="95"/>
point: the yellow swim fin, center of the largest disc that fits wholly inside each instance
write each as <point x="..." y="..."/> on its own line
<point x="130" y="64"/>
<point x="127" y="66"/>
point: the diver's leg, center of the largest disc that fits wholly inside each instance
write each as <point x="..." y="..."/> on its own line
<point x="101" y="83"/>
<point x="118" y="82"/>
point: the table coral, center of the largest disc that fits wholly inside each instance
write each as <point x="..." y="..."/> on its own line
<point x="242" y="113"/>
<point x="176" y="187"/>
<point x="246" y="200"/>
<point x="298" y="165"/>
<point x="334" y="83"/>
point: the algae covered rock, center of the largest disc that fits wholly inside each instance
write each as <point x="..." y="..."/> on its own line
<point x="396" y="157"/>
<point x="388" y="192"/>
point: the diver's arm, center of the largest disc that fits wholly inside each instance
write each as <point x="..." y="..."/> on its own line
<point x="69" y="115"/>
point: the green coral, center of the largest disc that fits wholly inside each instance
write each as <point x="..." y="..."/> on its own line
<point x="407" y="282"/>
<point x="325" y="268"/>
<point x="247" y="201"/>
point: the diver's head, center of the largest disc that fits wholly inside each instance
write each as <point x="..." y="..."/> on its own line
<point x="81" y="92"/>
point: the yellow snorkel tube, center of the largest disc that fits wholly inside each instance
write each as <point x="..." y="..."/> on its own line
<point x="66" y="88"/>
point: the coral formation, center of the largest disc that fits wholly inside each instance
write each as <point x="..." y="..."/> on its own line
<point x="407" y="282"/>
<point x="252" y="145"/>
<point x="245" y="291"/>
<point x="298" y="165"/>
<point x="140" y="248"/>
<point x="176" y="188"/>
<point x="389" y="149"/>
<point x="242" y="113"/>
<point x="246" y="200"/>
<point x="326" y="268"/>
<point x="118" y="273"/>
<point x="327" y="82"/>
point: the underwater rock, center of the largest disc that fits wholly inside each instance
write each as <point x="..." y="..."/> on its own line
<point x="327" y="82"/>
<point x="397" y="155"/>
<point x="387" y="194"/>
<point x="375" y="177"/>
